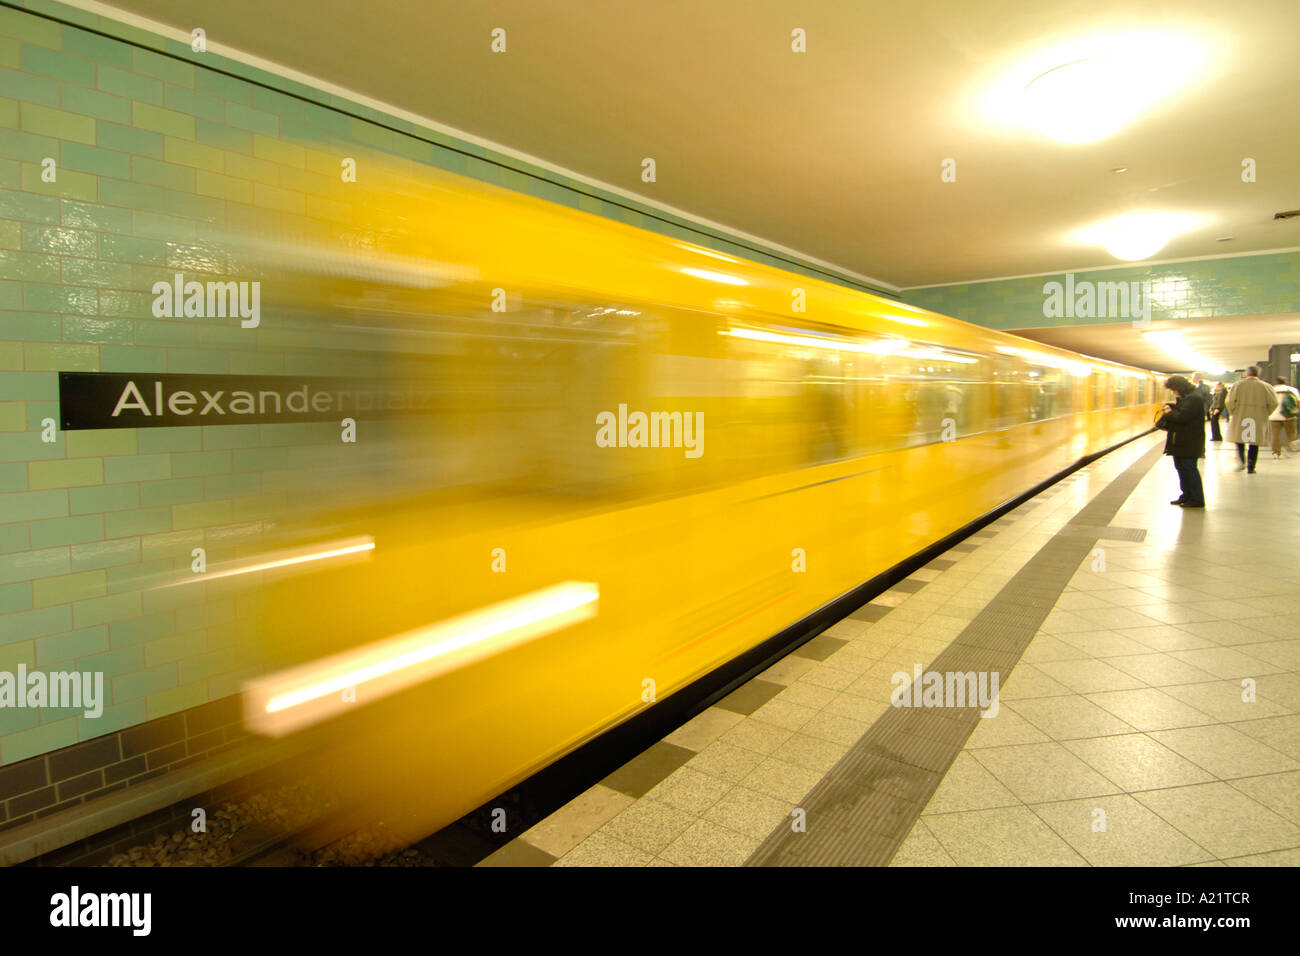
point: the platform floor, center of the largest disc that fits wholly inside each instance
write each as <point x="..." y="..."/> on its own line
<point x="1148" y="710"/>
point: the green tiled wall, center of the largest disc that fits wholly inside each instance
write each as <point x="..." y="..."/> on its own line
<point x="147" y="161"/>
<point x="1205" y="288"/>
<point x="155" y="148"/>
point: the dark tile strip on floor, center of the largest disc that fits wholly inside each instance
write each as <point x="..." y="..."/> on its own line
<point x="819" y="648"/>
<point x="863" y="809"/>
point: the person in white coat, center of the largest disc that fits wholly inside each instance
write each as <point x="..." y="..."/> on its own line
<point x="1283" y="420"/>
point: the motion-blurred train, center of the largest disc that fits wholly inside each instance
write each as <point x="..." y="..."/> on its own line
<point x="608" y="463"/>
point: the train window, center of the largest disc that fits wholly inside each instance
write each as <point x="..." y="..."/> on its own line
<point x="941" y="391"/>
<point x="1142" y="391"/>
<point x="1097" y="385"/>
<point x="1008" y="401"/>
<point x="809" y="395"/>
<point x="827" y="407"/>
<point x="1063" y="398"/>
<point x="592" y="357"/>
<point x="1047" y="397"/>
<point x="1121" y="390"/>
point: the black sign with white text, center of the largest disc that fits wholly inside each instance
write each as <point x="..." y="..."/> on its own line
<point x="156" y="400"/>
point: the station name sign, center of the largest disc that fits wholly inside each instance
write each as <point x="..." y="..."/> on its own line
<point x="153" y="400"/>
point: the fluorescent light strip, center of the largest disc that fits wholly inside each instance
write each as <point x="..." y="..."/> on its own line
<point x="714" y="276"/>
<point x="937" y="356"/>
<point x="283" y="559"/>
<point x="710" y="253"/>
<point x="809" y="341"/>
<point x="904" y="320"/>
<point x="552" y="606"/>
<point x="313" y="692"/>
<point x="1038" y="358"/>
<point x="1077" y="369"/>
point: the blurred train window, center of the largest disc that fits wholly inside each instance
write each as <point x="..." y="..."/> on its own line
<point x="813" y="392"/>
<point x="826" y="407"/>
<point x="863" y="382"/>
<point x="1047" y="397"/>
<point x="761" y="384"/>
<point x="518" y="394"/>
<point x="591" y="357"/>
<point x="941" y="391"/>
<point x="1008" y="401"/>
<point x="1063" y="399"/>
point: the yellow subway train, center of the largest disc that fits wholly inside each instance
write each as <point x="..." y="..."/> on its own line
<point x="634" y="459"/>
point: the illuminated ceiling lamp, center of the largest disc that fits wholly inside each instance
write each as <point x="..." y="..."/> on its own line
<point x="1080" y="101"/>
<point x="1090" y="87"/>
<point x="1136" y="235"/>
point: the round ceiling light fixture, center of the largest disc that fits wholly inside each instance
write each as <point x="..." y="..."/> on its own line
<point x="1092" y="86"/>
<point x="1081" y="101"/>
<point x="1137" y="235"/>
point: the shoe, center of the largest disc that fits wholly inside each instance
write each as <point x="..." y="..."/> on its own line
<point x="1250" y="471"/>
<point x="1176" y="501"/>
<point x="1185" y="505"/>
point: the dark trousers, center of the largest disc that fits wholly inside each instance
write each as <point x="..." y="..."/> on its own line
<point x="1250" y="458"/>
<point x="1189" y="480"/>
<point x="1215" y="434"/>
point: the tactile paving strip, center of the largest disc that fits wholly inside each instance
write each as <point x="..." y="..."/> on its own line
<point x="863" y="809"/>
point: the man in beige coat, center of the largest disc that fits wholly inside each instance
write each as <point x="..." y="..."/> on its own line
<point x="1250" y="402"/>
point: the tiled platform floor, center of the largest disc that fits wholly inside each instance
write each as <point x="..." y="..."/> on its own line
<point x="1122" y="735"/>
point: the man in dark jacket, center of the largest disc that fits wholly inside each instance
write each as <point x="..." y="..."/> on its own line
<point x="1185" y="423"/>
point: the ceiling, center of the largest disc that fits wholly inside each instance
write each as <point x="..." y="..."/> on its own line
<point x="835" y="152"/>
<point x="1233" y="342"/>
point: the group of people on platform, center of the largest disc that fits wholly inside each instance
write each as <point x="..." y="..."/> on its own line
<point x="1255" y="411"/>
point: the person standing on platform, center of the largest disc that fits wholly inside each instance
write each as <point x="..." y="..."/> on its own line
<point x="1250" y="402"/>
<point x="1283" y="419"/>
<point x="1216" y="410"/>
<point x="1203" y="390"/>
<point x="1185" y="423"/>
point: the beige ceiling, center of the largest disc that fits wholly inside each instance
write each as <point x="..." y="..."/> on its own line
<point x="836" y="152"/>
<point x="1232" y="342"/>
